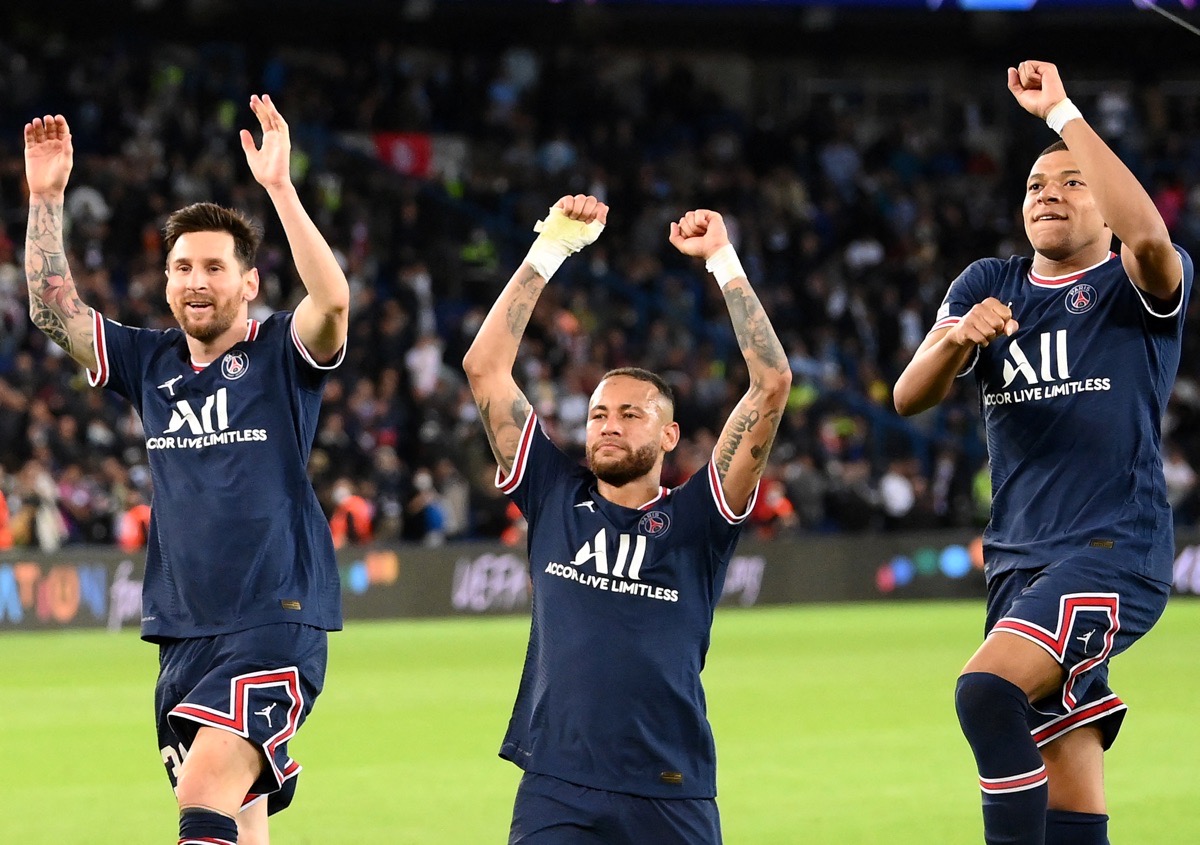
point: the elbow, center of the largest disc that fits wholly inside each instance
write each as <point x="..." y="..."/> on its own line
<point x="775" y="387"/>
<point x="903" y="399"/>
<point x="908" y="404"/>
<point x="1151" y="247"/>
<point x="475" y="365"/>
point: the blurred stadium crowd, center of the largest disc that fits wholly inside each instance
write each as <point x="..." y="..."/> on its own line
<point x="853" y="203"/>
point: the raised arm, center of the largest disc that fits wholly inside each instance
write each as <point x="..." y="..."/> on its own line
<point x="927" y="379"/>
<point x="322" y="317"/>
<point x="1146" y="250"/>
<point x="573" y="223"/>
<point x="54" y="304"/>
<point x="745" y="441"/>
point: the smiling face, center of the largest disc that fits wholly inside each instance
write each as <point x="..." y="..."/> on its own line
<point x="1061" y="218"/>
<point x="207" y="288"/>
<point x="630" y="428"/>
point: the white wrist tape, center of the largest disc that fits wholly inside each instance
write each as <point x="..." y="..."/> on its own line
<point x="559" y="237"/>
<point x="725" y="266"/>
<point x="1064" y="110"/>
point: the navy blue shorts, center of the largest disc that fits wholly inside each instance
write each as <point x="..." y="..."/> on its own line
<point x="550" y="811"/>
<point x="1082" y="612"/>
<point x="259" y="684"/>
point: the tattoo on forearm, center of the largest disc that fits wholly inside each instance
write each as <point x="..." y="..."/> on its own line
<point x="761" y="452"/>
<point x="504" y="434"/>
<point x="529" y="288"/>
<point x="54" y="302"/>
<point x="753" y="329"/>
<point x="739" y="425"/>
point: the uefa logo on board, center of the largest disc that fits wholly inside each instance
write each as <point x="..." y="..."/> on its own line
<point x="1080" y="298"/>
<point x="235" y="364"/>
<point x="655" y="523"/>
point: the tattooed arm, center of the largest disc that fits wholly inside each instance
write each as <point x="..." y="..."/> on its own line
<point x="54" y="303"/>
<point x="745" y="441"/>
<point x="574" y="222"/>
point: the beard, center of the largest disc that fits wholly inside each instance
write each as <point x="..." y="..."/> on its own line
<point x="222" y="317"/>
<point x="630" y="466"/>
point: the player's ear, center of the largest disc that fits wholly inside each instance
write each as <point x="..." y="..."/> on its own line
<point x="670" y="436"/>
<point x="250" y="282"/>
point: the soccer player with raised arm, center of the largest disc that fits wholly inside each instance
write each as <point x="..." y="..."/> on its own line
<point x="241" y="585"/>
<point x="1074" y="353"/>
<point x="610" y="724"/>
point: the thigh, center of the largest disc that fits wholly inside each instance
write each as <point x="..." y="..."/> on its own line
<point x="1078" y="613"/>
<point x="258" y="684"/>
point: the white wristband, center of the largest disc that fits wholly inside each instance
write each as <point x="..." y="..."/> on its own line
<point x="725" y="266"/>
<point x="1064" y="110"/>
<point x="559" y="237"/>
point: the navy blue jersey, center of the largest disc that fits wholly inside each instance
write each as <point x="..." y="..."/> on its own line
<point x="237" y="538"/>
<point x="1073" y="406"/>
<point x="623" y="601"/>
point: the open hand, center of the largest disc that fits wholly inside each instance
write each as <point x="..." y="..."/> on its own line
<point x="48" y="154"/>
<point x="270" y="163"/>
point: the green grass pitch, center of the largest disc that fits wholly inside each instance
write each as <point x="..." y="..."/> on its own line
<point x="834" y="726"/>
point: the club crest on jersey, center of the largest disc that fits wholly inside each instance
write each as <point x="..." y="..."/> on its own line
<point x="655" y="523"/>
<point x="1080" y="298"/>
<point x="234" y="364"/>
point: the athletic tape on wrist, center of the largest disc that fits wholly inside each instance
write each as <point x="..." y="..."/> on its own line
<point x="559" y="236"/>
<point x="725" y="266"/>
<point x="1064" y="110"/>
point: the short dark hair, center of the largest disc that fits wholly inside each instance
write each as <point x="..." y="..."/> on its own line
<point x="210" y="217"/>
<point x="1058" y="146"/>
<point x="645" y="375"/>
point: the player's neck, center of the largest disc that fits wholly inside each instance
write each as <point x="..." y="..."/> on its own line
<point x="632" y="495"/>
<point x="205" y="353"/>
<point x="1084" y="259"/>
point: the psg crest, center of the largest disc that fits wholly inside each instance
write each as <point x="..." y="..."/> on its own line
<point x="235" y="364"/>
<point x="1080" y="298"/>
<point x="655" y="523"/>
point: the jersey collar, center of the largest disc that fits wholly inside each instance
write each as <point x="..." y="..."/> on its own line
<point x="1059" y="281"/>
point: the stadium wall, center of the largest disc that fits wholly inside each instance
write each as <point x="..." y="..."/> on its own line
<point x="90" y="586"/>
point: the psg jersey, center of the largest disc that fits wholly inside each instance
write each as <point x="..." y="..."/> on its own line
<point x="1073" y="405"/>
<point x="623" y="599"/>
<point x="237" y="538"/>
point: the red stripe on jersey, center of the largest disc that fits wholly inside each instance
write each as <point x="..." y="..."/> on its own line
<point x="507" y="485"/>
<point x="100" y="349"/>
<point x="1059" y="281"/>
<point x="662" y="491"/>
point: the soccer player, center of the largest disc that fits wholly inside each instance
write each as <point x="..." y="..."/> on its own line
<point x="241" y="584"/>
<point x="609" y="722"/>
<point x="1074" y="353"/>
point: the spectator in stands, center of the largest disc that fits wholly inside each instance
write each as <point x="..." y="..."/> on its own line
<point x="352" y="520"/>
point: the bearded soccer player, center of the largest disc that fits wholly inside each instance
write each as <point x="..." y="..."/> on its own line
<point x="609" y="724"/>
<point x="1074" y="353"/>
<point x="241" y="584"/>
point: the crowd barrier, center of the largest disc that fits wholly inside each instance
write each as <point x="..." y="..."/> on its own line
<point x="92" y="586"/>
